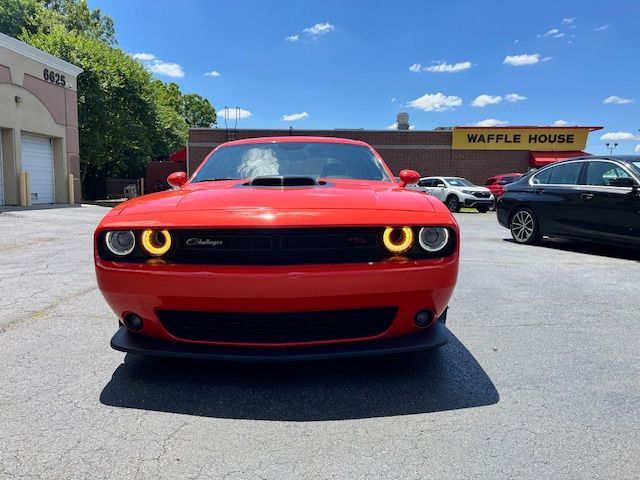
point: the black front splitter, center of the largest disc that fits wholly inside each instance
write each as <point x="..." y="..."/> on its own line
<point x="432" y="337"/>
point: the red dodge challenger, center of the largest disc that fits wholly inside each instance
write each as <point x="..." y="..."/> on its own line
<point x="280" y="248"/>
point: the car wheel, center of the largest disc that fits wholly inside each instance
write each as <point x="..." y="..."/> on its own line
<point x="524" y="227"/>
<point x="483" y="209"/>
<point x="453" y="204"/>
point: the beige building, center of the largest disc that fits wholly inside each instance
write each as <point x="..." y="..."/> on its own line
<point x="39" y="147"/>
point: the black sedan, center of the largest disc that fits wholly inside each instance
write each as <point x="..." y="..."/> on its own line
<point x="586" y="198"/>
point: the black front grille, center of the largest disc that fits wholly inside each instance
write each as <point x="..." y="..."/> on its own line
<point x="289" y="327"/>
<point x="278" y="246"/>
<point x="481" y="194"/>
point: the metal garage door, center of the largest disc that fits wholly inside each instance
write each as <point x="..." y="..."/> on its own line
<point x="37" y="159"/>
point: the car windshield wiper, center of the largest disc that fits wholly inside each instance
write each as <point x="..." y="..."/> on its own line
<point x="216" y="179"/>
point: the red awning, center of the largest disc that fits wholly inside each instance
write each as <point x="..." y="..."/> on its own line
<point x="179" y="156"/>
<point x="540" y="159"/>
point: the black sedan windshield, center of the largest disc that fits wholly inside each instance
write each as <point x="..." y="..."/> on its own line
<point x="313" y="159"/>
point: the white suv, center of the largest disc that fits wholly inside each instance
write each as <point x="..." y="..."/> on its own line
<point x="456" y="192"/>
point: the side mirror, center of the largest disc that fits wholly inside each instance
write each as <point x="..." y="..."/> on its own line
<point x="177" y="179"/>
<point x="441" y="185"/>
<point x="408" y="177"/>
<point x="627" y="182"/>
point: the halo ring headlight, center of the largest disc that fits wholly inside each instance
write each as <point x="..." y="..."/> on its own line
<point x="433" y="239"/>
<point x="156" y="242"/>
<point x="397" y="239"/>
<point x="120" y="242"/>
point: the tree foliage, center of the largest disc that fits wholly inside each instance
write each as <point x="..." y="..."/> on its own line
<point x="126" y="118"/>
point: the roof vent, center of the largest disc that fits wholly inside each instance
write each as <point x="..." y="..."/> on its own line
<point x="283" y="181"/>
<point x="402" y="121"/>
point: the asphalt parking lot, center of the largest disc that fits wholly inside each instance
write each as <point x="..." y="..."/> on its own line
<point x="541" y="378"/>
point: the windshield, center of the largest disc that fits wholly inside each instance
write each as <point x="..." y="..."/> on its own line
<point x="313" y="159"/>
<point x="459" y="182"/>
<point x="637" y="166"/>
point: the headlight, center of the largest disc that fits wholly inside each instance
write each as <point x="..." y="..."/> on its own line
<point x="120" y="242"/>
<point x="156" y="242"/>
<point x="468" y="192"/>
<point x="397" y="239"/>
<point x="433" y="239"/>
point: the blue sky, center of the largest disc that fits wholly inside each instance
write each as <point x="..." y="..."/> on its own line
<point x="355" y="64"/>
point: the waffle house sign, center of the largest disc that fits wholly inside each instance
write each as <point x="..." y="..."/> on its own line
<point x="520" y="138"/>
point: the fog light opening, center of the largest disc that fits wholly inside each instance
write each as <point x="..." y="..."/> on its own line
<point x="133" y="322"/>
<point x="423" y="318"/>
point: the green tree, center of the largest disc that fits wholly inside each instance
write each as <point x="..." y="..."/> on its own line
<point x="16" y="15"/>
<point x="197" y="111"/>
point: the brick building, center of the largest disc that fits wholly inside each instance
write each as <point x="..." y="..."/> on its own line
<point x="456" y="152"/>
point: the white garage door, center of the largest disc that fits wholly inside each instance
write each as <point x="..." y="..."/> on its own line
<point x="37" y="159"/>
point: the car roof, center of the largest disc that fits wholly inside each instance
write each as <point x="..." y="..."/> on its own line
<point x="296" y="138"/>
<point x="506" y="175"/>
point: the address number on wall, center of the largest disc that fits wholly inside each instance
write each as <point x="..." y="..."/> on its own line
<point x="54" y="77"/>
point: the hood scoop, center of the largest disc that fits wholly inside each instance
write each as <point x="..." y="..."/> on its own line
<point x="284" y="181"/>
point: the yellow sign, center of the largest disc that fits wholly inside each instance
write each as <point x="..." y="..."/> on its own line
<point x="536" y="138"/>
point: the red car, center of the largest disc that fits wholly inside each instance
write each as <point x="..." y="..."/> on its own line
<point x="496" y="184"/>
<point x="277" y="249"/>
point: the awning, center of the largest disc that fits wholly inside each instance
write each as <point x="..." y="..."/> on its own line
<point x="179" y="156"/>
<point x="540" y="159"/>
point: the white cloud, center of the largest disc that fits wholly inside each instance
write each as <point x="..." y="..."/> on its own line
<point x="524" y="59"/>
<point x="637" y="149"/>
<point x="394" y="126"/>
<point x="435" y="102"/>
<point x="167" y="69"/>
<point x="619" y="137"/>
<point x="444" y="67"/>
<point x="155" y="65"/>
<point x="516" y="41"/>
<point x="545" y="59"/>
<point x="560" y="123"/>
<point x="514" y="98"/>
<point x="292" y="38"/>
<point x="212" y="73"/>
<point x="568" y="21"/>
<point x="292" y="117"/>
<point x="601" y="28"/>
<point x="491" y="122"/>
<point x="393" y="100"/>
<point x="144" y="57"/>
<point x="230" y="113"/>
<point x="553" y="31"/>
<point x="559" y="35"/>
<point x="484" y="100"/>
<point x="617" y="100"/>
<point x="319" y="29"/>
<point x="441" y="67"/>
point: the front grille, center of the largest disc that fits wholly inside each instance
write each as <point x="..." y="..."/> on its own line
<point x="288" y="327"/>
<point x="277" y="246"/>
<point x="481" y="194"/>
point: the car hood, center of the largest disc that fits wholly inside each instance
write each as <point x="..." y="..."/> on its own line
<point x="236" y="196"/>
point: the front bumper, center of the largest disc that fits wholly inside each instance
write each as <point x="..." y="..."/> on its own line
<point x="409" y="286"/>
<point x="432" y="337"/>
<point x="471" y="201"/>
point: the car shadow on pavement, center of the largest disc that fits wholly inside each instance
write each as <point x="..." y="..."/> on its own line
<point x="446" y="379"/>
<point x="598" y="249"/>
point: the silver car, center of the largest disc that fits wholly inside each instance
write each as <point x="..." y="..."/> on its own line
<point x="457" y="192"/>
